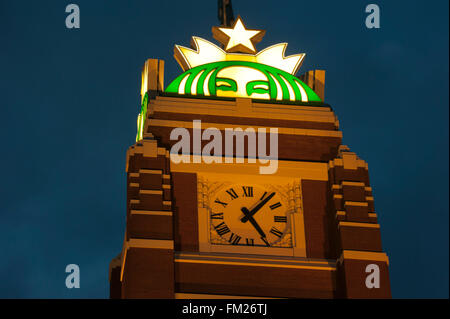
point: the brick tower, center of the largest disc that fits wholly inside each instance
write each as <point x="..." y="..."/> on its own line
<point x="205" y="227"/>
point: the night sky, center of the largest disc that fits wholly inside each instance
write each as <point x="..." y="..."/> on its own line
<point x="69" y="100"/>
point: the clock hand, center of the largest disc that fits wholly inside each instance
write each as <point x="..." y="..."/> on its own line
<point x="257" y="208"/>
<point x="253" y="222"/>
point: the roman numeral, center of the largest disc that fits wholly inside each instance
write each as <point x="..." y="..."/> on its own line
<point x="274" y="206"/>
<point x="250" y="241"/>
<point x="248" y="191"/>
<point x="265" y="241"/>
<point x="222" y="203"/>
<point x="280" y="219"/>
<point x="232" y="193"/>
<point x="263" y="196"/>
<point x="276" y="232"/>
<point x="217" y="216"/>
<point x="234" y="239"/>
<point x="222" y="229"/>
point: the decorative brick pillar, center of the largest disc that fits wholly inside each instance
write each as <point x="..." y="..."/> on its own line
<point x="357" y="232"/>
<point x="145" y="268"/>
<point x="147" y="260"/>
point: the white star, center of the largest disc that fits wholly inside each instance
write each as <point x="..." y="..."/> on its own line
<point x="239" y="36"/>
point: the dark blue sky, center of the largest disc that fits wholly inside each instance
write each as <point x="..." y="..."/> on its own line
<point x="69" y="101"/>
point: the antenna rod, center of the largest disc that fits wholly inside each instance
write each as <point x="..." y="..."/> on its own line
<point x="225" y="12"/>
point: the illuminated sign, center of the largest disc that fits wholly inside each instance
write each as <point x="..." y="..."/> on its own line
<point x="141" y="118"/>
<point x="239" y="71"/>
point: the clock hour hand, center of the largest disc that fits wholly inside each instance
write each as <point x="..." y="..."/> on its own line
<point x="257" y="208"/>
<point x="253" y="222"/>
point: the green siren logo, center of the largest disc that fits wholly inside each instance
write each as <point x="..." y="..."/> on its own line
<point x="238" y="71"/>
<point x="242" y="79"/>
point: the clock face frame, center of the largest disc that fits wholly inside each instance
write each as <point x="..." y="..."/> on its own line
<point x="250" y="214"/>
<point x="215" y="237"/>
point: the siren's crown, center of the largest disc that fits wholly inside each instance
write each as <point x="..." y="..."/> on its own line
<point x="239" y="46"/>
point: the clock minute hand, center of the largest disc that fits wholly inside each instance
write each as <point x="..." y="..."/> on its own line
<point x="257" y="208"/>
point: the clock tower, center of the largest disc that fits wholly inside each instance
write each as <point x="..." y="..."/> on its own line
<point x="219" y="207"/>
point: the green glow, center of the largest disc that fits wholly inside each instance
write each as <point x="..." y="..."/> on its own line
<point x="276" y="80"/>
<point x="141" y="118"/>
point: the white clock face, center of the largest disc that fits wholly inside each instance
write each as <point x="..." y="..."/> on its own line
<point x="251" y="215"/>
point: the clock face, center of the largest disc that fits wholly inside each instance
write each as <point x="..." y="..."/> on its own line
<point x="250" y="215"/>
